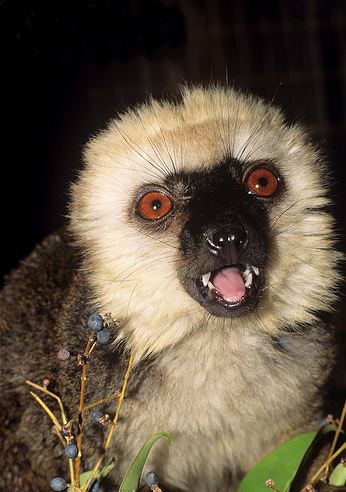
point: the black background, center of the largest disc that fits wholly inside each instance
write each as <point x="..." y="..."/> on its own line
<point x="68" y="67"/>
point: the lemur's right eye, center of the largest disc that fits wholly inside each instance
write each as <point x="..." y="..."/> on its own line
<point x="154" y="205"/>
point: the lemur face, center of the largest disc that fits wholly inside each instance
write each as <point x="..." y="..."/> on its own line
<point x="212" y="209"/>
<point x="222" y="216"/>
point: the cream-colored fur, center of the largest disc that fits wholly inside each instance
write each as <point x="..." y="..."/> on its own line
<point x="223" y="391"/>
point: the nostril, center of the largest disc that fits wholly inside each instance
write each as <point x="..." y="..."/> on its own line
<point x="232" y="235"/>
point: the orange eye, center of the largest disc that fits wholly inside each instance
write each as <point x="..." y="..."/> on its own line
<point x="262" y="182"/>
<point x="154" y="205"/>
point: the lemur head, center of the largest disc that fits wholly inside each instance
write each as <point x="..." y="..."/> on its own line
<point x="205" y="213"/>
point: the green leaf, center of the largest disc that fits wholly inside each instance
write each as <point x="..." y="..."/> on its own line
<point x="338" y="475"/>
<point x="283" y="463"/>
<point x="106" y="470"/>
<point x="131" y="480"/>
<point x="300" y="476"/>
<point x="279" y="465"/>
<point x="84" y="477"/>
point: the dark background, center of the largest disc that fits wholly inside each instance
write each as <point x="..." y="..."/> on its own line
<point x="69" y="66"/>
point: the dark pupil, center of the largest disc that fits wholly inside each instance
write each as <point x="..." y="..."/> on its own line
<point x="156" y="204"/>
<point x="263" y="182"/>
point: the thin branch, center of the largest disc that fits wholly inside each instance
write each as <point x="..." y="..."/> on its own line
<point x="100" y="402"/>
<point x="121" y="398"/>
<point x="114" y="422"/>
<point x="326" y="464"/>
<point x="90" y="405"/>
<point x="338" y="430"/>
<point x="70" y="462"/>
<point x="44" y="390"/>
<point x="57" y="433"/>
<point x="52" y="416"/>
<point x="89" y="346"/>
<point x="44" y="406"/>
<point x="92" y="347"/>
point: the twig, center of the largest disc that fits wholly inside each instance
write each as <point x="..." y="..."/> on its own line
<point x="92" y="348"/>
<point x="338" y="430"/>
<point x="90" y="343"/>
<point x="121" y="398"/>
<point x="90" y="405"/>
<point x="44" y="406"/>
<point x="326" y="464"/>
<point x="57" y="433"/>
<point x="99" y="402"/>
<point x="70" y="462"/>
<point x="63" y="417"/>
<point x="114" y="422"/>
<point x="41" y="388"/>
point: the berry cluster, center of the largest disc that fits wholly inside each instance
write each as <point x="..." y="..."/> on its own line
<point x="99" y="325"/>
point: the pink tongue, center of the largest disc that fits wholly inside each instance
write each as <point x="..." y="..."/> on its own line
<point x="230" y="284"/>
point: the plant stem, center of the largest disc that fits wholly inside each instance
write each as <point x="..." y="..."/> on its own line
<point x="44" y="406"/>
<point x="326" y="464"/>
<point x="92" y="348"/>
<point x="90" y="343"/>
<point x="121" y="398"/>
<point x="63" y="417"/>
<point x="114" y="422"/>
<point x="337" y="433"/>
<point x="99" y="402"/>
<point x="44" y="390"/>
<point x="70" y="462"/>
<point x="90" y="405"/>
<point x="80" y="426"/>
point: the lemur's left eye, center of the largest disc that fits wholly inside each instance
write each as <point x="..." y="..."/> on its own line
<point x="154" y="205"/>
<point x="261" y="182"/>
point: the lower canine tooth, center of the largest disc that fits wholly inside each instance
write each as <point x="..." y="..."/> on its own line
<point x="255" y="270"/>
<point x="248" y="280"/>
<point x="205" y="278"/>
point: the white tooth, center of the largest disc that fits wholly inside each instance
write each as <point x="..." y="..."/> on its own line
<point x="205" y="278"/>
<point x="211" y="286"/>
<point x="255" y="270"/>
<point x="248" y="280"/>
<point x="245" y="273"/>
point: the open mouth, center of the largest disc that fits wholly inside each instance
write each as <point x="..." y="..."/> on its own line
<point x="230" y="286"/>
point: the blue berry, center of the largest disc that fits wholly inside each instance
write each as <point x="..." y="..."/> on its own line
<point x="95" y="322"/>
<point x="103" y="336"/>
<point x="71" y="451"/>
<point x="151" y="479"/>
<point x="94" y="486"/>
<point x="58" y="484"/>
<point x="95" y="417"/>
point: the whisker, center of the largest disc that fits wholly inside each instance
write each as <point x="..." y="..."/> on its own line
<point x="285" y="211"/>
<point x="236" y="127"/>
<point x="174" y="168"/>
<point x="129" y="301"/>
<point x="155" y="147"/>
<point x="141" y="152"/>
<point x="258" y="128"/>
<point x="131" y="270"/>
